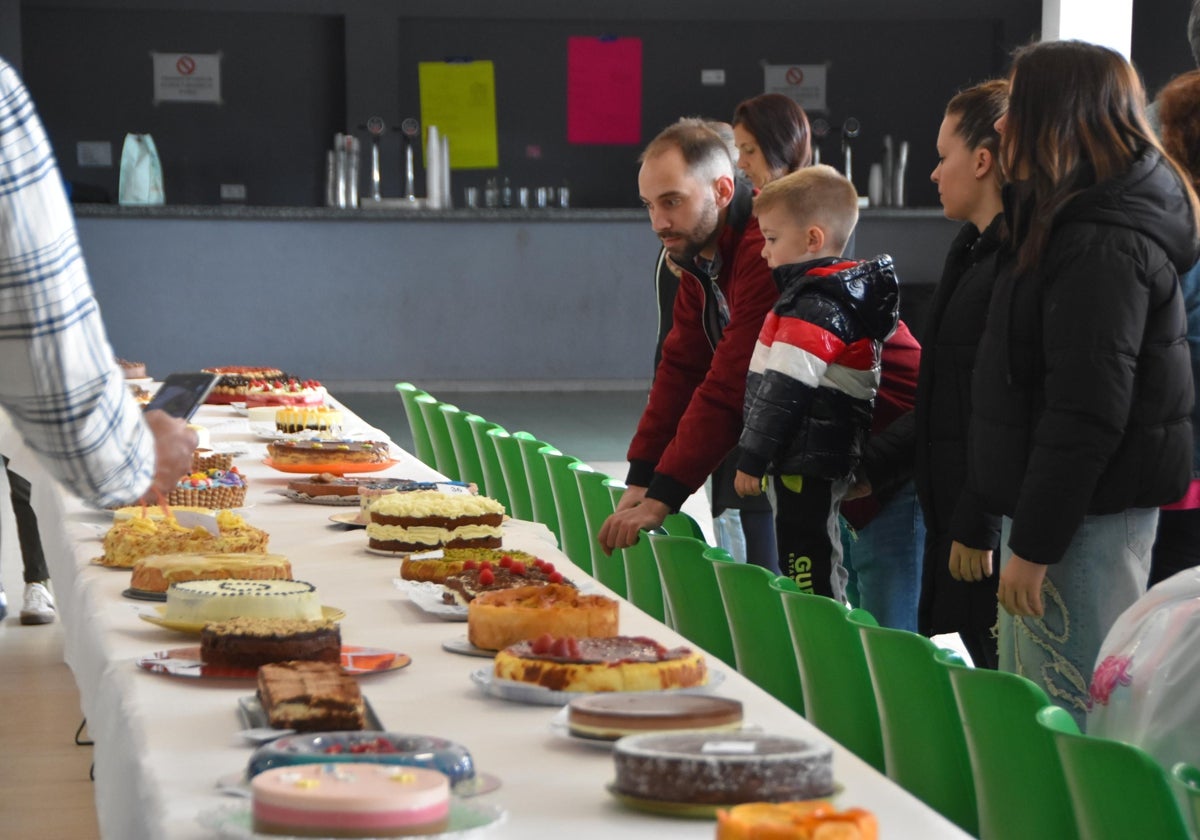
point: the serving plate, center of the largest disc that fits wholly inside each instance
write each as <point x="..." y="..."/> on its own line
<point x="155" y="615"/>
<point x="467" y="820"/>
<point x="333" y="467"/>
<point x="685" y="809"/>
<point x="462" y="645"/>
<point x="185" y="662"/>
<point x="348" y="518"/>
<point x="428" y="596"/>
<point x="536" y="695"/>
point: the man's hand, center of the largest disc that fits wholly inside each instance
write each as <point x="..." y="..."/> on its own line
<point x="621" y="530"/>
<point x="969" y="564"/>
<point x="1020" y="590"/>
<point x="174" y="443"/>
<point x="745" y="484"/>
<point x="632" y="497"/>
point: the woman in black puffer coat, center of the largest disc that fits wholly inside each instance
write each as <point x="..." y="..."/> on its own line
<point x="1082" y="391"/>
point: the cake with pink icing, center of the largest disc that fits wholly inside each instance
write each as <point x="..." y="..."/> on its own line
<point x="350" y="800"/>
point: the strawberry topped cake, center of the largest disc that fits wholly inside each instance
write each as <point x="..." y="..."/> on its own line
<point x="484" y="576"/>
<point x="284" y="391"/>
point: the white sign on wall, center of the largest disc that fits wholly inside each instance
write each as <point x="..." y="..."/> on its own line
<point x="805" y="83"/>
<point x="187" y="77"/>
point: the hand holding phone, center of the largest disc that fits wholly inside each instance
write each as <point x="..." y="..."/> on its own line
<point x="182" y="393"/>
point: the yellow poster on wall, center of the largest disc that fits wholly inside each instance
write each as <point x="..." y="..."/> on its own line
<point x="459" y="97"/>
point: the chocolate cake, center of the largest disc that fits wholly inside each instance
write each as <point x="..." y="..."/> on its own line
<point x="722" y="768"/>
<point x="310" y="697"/>
<point x="251" y="642"/>
<point x="328" y="484"/>
<point x="476" y="578"/>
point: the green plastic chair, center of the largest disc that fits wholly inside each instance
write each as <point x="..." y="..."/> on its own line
<point x="681" y="525"/>
<point x="1187" y="783"/>
<point x="762" y="645"/>
<point x="1117" y="790"/>
<point x="541" y="494"/>
<point x="489" y="461"/>
<point x="691" y="593"/>
<point x="573" y="530"/>
<point x="466" y="455"/>
<point x="838" y="696"/>
<point x="444" y="459"/>
<point x="609" y="569"/>
<point x="597" y="506"/>
<point x="644" y="581"/>
<point x="924" y="748"/>
<point x="422" y="445"/>
<point x="1020" y="789"/>
<point x="508" y="453"/>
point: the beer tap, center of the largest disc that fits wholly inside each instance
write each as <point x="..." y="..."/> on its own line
<point x="820" y="130"/>
<point x="850" y="129"/>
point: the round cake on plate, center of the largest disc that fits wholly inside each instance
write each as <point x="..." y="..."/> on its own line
<point x="202" y="601"/>
<point x="498" y="619"/>
<point x="607" y="717"/>
<point x="157" y="572"/>
<point x="424" y="520"/>
<point x="608" y="663"/>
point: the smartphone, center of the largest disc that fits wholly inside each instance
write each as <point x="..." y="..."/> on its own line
<point x="182" y="393"/>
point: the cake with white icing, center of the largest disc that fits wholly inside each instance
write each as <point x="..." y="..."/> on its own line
<point x="722" y="768"/>
<point x="350" y="800"/>
<point x="202" y="601"/>
<point x="427" y="519"/>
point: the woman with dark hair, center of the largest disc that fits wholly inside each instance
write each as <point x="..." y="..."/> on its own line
<point x="930" y="442"/>
<point x="772" y="136"/>
<point x="1082" y="390"/>
<point x="1177" y="546"/>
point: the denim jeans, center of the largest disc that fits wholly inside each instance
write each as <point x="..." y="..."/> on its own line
<point x="1102" y="573"/>
<point x="884" y="561"/>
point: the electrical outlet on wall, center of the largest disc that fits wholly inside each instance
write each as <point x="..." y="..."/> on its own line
<point x="233" y="192"/>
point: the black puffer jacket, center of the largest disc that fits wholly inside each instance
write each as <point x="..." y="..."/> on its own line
<point x="1082" y="391"/>
<point x="815" y="369"/>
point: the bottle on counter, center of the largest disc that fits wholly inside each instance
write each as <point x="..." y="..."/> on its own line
<point x="506" y="194"/>
<point x="491" y="194"/>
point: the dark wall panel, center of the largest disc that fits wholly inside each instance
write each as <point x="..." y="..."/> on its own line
<point x="283" y="85"/>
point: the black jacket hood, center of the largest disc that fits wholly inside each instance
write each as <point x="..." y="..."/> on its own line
<point x="868" y="288"/>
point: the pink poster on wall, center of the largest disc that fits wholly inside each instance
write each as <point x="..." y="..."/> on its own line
<point x="604" y="90"/>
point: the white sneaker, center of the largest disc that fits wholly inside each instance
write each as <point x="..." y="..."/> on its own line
<point x="38" y="607"/>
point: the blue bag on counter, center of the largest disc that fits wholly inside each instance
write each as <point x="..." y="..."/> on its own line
<point x="141" y="172"/>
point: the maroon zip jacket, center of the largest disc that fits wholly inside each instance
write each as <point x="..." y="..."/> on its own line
<point x="694" y="415"/>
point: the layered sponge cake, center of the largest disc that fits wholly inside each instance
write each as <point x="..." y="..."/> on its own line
<point x="426" y="519"/>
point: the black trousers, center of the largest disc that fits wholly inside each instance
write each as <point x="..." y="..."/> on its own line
<point x="1177" y="546"/>
<point x="808" y="536"/>
<point x="27" y="528"/>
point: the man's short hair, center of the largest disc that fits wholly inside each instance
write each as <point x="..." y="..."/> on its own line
<point x="704" y="151"/>
<point x="815" y="195"/>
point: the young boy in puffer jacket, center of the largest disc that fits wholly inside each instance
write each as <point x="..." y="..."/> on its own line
<point x="815" y="370"/>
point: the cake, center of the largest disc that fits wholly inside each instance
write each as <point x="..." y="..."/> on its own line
<point x="721" y="768"/>
<point x="204" y="459"/>
<point x="382" y="747"/>
<point x="496" y="620"/>
<point x="328" y="484"/>
<point x="608" y="663"/>
<point x="350" y="800"/>
<point x="211" y="488"/>
<point x="284" y="391"/>
<point x="296" y="419"/>
<point x="202" y="601"/>
<point x="235" y="381"/>
<point x="132" y="370"/>
<point x="607" y="717"/>
<point x="477" y="578"/>
<point x="323" y="453"/>
<point x="310" y="697"/>
<point x="158" y="571"/>
<point x="158" y="512"/>
<point x="251" y="642"/>
<point x="438" y="566"/>
<point x="795" y="821"/>
<point x="129" y="540"/>
<point x="426" y="519"/>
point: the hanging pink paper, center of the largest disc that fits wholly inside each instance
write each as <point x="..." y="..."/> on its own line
<point x="604" y="90"/>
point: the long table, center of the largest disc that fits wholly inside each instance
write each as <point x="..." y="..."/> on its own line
<point x="163" y="742"/>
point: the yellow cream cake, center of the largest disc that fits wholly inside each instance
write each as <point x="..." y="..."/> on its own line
<point x="427" y="519"/>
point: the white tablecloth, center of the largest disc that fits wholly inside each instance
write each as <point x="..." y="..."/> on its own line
<point x="163" y="742"/>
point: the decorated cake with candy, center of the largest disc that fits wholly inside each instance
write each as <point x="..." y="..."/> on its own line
<point x="284" y="391"/>
<point x="496" y="620"/>
<point x="318" y="454"/>
<point x="350" y="800"/>
<point x="158" y="571"/>
<point x="426" y="519"/>
<point x="608" y="663"/>
<point x="212" y="488"/>
<point x="129" y="540"/>
<point x="201" y="601"/>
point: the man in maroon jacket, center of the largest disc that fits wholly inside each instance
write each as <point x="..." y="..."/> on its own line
<point x="693" y="417"/>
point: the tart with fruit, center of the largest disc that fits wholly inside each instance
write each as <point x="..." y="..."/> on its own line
<point x="612" y="663"/>
<point x="436" y="566"/>
<point x="477" y="577"/>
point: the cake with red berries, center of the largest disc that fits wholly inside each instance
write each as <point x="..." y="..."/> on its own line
<point x="436" y="566"/>
<point x="284" y="392"/>
<point x="428" y="519"/>
<point x="496" y="620"/>
<point x="235" y="382"/>
<point x="608" y="663"/>
<point x="476" y="578"/>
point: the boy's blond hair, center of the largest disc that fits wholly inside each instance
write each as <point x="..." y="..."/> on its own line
<point x="815" y="195"/>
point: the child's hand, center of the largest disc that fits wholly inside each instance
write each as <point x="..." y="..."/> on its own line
<point x="745" y="484"/>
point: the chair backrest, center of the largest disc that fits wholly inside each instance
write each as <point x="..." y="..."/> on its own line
<point x="1020" y="789"/>
<point x="541" y="494"/>
<point x="681" y="525"/>
<point x="838" y="696"/>
<point x="924" y="748"/>
<point x="508" y="453"/>
<point x="489" y="461"/>
<point x="644" y="584"/>
<point x="422" y="445"/>
<point x="1117" y="790"/>
<point x="1187" y="789"/>
<point x="609" y="569"/>
<point x="597" y="506"/>
<point x="444" y="458"/>
<point x="572" y="527"/>
<point x="691" y="593"/>
<point x="758" y="627"/>
<point x="466" y="455"/>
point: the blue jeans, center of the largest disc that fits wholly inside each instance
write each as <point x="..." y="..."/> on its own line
<point x="1102" y="573"/>
<point x="884" y="561"/>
